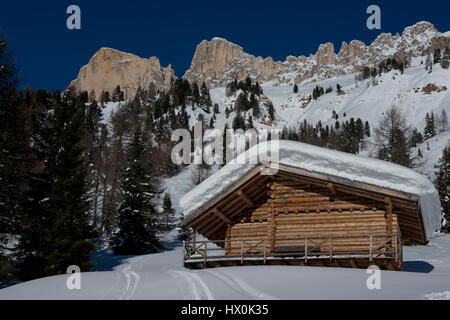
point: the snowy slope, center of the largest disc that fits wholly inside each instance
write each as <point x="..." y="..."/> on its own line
<point x="160" y="276"/>
<point x="431" y="157"/>
<point x="365" y="101"/>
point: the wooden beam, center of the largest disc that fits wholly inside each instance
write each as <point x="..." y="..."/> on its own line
<point x="221" y="216"/>
<point x="332" y="188"/>
<point x="388" y="202"/>
<point x="246" y="199"/>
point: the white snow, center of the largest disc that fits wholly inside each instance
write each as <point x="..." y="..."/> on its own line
<point x="325" y="161"/>
<point x="161" y="276"/>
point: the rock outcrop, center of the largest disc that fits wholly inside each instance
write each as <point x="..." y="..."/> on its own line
<point x="109" y="68"/>
<point x="219" y="61"/>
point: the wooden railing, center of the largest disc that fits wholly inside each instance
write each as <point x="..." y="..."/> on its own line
<point x="370" y="247"/>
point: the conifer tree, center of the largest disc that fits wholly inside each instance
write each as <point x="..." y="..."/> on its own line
<point x="442" y="183"/>
<point x="11" y="142"/>
<point x="117" y="95"/>
<point x="367" y="129"/>
<point x="168" y="211"/>
<point x="55" y="231"/>
<point x="182" y="229"/>
<point x="437" y="56"/>
<point x="271" y="111"/>
<point x="138" y="219"/>
<point x="445" y="62"/>
<point x="295" y="89"/>
<point x="238" y="122"/>
<point x="430" y="126"/>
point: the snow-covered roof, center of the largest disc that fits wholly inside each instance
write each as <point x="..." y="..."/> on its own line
<point x="314" y="159"/>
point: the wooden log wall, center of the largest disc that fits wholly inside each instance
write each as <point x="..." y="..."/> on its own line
<point x="293" y="209"/>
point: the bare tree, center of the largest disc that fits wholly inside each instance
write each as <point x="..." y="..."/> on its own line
<point x="442" y="121"/>
<point x="392" y="138"/>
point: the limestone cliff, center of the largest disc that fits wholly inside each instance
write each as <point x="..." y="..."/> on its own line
<point x="109" y="68"/>
<point x="218" y="61"/>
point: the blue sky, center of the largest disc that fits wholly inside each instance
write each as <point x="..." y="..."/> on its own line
<point x="50" y="55"/>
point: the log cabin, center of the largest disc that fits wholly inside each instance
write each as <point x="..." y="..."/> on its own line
<point x="315" y="207"/>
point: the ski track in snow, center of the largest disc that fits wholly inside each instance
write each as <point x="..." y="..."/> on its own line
<point x="239" y="285"/>
<point x="132" y="279"/>
<point x="195" y="288"/>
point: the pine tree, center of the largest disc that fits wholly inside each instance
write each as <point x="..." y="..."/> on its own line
<point x="55" y="231"/>
<point x="138" y="219"/>
<point x="205" y="100"/>
<point x="445" y="62"/>
<point x="238" y="122"/>
<point x="195" y="93"/>
<point x="416" y="138"/>
<point x="11" y="143"/>
<point x="437" y="56"/>
<point x="168" y="211"/>
<point x="367" y="129"/>
<point x="430" y="126"/>
<point x="92" y="117"/>
<point x="442" y="183"/>
<point x="182" y="229"/>
<point x="271" y="111"/>
<point x="295" y="89"/>
<point x="117" y="95"/>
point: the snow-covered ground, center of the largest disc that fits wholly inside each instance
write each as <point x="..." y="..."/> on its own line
<point x="161" y="276"/>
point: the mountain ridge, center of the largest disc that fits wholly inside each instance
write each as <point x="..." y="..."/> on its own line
<point x="219" y="61"/>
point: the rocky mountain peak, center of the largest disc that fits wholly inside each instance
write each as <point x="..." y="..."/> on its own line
<point x="109" y="68"/>
<point x="219" y="61"/>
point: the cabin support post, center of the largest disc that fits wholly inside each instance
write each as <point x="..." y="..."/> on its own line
<point x="265" y="250"/>
<point x="242" y="251"/>
<point x="370" y="249"/>
<point x="306" y="250"/>
<point x="194" y="240"/>
<point x="331" y="248"/>
<point x="205" y="257"/>
<point x="228" y="239"/>
<point x="388" y="214"/>
<point x="184" y="252"/>
<point x="272" y="227"/>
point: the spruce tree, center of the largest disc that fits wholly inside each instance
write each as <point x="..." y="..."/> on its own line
<point x="295" y="89"/>
<point x="168" y="211"/>
<point x="55" y="231"/>
<point x="430" y="126"/>
<point x="271" y="111"/>
<point x="11" y="144"/>
<point x="182" y="229"/>
<point x="442" y="183"/>
<point x="238" y="122"/>
<point x="138" y="218"/>
<point x="117" y="95"/>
